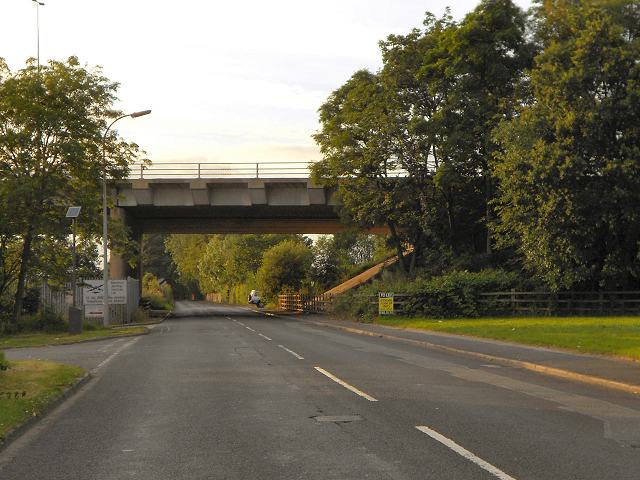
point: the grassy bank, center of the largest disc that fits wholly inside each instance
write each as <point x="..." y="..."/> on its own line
<point x="35" y="339"/>
<point x="619" y="336"/>
<point x="27" y="388"/>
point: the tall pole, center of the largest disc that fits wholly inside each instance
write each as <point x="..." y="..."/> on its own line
<point x="73" y="275"/>
<point x="105" y="259"/>
<point x="38" y="29"/>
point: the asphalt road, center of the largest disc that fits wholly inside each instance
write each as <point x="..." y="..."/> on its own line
<point x="227" y="393"/>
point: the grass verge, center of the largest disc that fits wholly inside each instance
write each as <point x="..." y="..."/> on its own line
<point x="617" y="336"/>
<point x="28" y="387"/>
<point x="35" y="339"/>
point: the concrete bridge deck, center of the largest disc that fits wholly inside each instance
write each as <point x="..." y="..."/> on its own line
<point x="226" y="205"/>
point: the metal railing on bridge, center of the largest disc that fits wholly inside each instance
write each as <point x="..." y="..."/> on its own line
<point x="229" y="170"/>
<point x="221" y="170"/>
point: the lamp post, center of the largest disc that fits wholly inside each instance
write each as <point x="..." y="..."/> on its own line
<point x="105" y="287"/>
<point x="73" y="213"/>
<point x="38" y="3"/>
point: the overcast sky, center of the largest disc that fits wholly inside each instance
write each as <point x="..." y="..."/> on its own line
<point x="228" y="81"/>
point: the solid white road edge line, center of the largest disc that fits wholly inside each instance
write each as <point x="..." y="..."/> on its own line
<point x="292" y="352"/>
<point x="465" y="453"/>
<point x="346" y="385"/>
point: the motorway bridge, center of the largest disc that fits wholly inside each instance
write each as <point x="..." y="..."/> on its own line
<point x="222" y="198"/>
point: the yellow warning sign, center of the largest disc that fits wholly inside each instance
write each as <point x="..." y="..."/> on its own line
<point x="385" y="303"/>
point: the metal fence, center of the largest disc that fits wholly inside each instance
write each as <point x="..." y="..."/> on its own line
<point x="221" y="170"/>
<point x="59" y="299"/>
<point x="230" y="170"/>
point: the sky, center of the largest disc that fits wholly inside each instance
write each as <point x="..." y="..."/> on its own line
<point x="227" y="81"/>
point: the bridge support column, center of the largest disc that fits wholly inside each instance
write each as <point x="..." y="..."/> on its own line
<point x="119" y="268"/>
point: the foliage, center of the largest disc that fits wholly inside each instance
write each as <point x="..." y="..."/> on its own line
<point x="52" y="120"/>
<point x="158" y="261"/>
<point x="356" y="140"/>
<point x="225" y="264"/>
<point x="45" y="320"/>
<point x="570" y="171"/>
<point x="336" y="256"/>
<point x="474" y="71"/>
<point x="186" y="252"/>
<point x="409" y="147"/>
<point x="160" y="296"/>
<point x="231" y="260"/>
<point x="284" y="269"/>
<point x="4" y="364"/>
<point x="457" y="294"/>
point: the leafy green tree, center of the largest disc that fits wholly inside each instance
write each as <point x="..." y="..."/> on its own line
<point x="475" y="72"/>
<point x="52" y="121"/>
<point x="410" y="146"/>
<point x="336" y="255"/>
<point x="356" y="141"/>
<point x="187" y="251"/>
<point x="285" y="268"/>
<point x="570" y="171"/>
<point x="158" y="261"/>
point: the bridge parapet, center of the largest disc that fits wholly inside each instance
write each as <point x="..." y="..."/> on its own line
<point x="222" y="192"/>
<point x="221" y="170"/>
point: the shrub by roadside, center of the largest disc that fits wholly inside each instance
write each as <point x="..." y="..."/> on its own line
<point x="4" y="364"/>
<point x="457" y="294"/>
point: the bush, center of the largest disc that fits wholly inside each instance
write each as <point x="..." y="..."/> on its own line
<point x="89" y="327"/>
<point x="4" y="364"/>
<point x="31" y="301"/>
<point x="457" y="294"/>
<point x="160" y="297"/>
<point x="46" y="321"/>
<point x="355" y="305"/>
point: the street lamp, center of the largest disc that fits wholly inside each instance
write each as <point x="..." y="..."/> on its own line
<point x="38" y="28"/>
<point x="105" y="287"/>
<point x="73" y="213"/>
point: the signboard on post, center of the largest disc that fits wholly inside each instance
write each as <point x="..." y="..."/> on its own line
<point x="117" y="292"/>
<point x="93" y="293"/>
<point x="385" y="303"/>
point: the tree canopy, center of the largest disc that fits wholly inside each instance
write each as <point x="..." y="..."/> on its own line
<point x="52" y="121"/>
<point x="570" y="169"/>
<point x="524" y="124"/>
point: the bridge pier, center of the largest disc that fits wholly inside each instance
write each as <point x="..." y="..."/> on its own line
<point x="119" y="268"/>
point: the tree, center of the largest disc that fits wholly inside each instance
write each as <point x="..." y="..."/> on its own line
<point x="285" y="268"/>
<point x="187" y="252"/>
<point x="570" y="171"/>
<point x="476" y="74"/>
<point x="357" y="143"/>
<point x="410" y="146"/>
<point x="51" y="123"/>
<point x="336" y="255"/>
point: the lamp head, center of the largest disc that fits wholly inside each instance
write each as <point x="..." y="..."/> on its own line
<point x="140" y="114"/>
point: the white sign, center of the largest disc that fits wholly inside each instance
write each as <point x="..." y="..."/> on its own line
<point x="117" y="292"/>
<point x="94" y="292"/>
